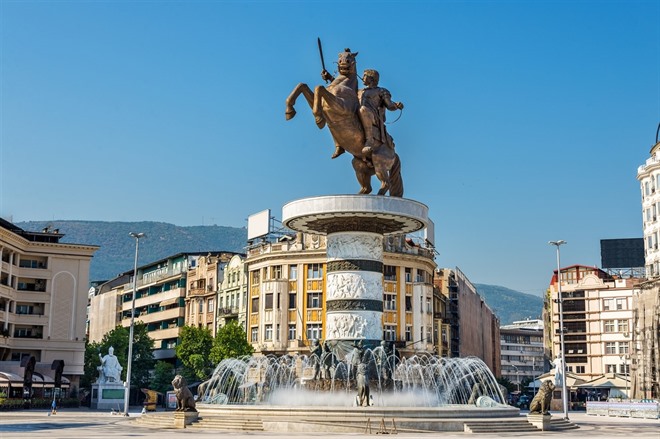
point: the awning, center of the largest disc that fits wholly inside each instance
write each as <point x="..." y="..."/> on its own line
<point x="606" y="382"/>
<point x="38" y="380"/>
<point x="10" y="379"/>
<point x="169" y="302"/>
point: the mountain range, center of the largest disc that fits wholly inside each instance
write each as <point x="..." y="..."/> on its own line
<point x="117" y="251"/>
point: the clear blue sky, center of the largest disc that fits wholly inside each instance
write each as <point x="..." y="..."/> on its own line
<point x="524" y="121"/>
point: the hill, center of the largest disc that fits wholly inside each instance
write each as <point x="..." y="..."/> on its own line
<point x="117" y="252"/>
<point x="510" y="305"/>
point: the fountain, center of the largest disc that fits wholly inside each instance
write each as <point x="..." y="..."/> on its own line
<point x="310" y="380"/>
<point x="353" y="376"/>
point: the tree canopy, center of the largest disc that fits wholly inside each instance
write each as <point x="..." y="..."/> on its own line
<point x="230" y="342"/>
<point x="194" y="351"/>
<point x="143" y="360"/>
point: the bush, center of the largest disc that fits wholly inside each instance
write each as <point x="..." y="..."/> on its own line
<point x="36" y="403"/>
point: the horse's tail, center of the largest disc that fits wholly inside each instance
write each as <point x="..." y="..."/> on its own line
<point x="396" y="181"/>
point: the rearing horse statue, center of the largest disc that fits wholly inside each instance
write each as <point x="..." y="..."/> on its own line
<point x="337" y="106"/>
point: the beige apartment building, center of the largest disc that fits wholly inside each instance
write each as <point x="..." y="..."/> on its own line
<point x="287" y="287"/>
<point x="205" y="276"/>
<point x="475" y="328"/>
<point x="646" y="355"/>
<point x="160" y="301"/>
<point x="43" y="299"/>
<point x="232" y="294"/>
<point x="522" y="351"/>
<point x="598" y="312"/>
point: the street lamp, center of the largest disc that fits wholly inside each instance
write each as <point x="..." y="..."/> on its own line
<point x="624" y="358"/>
<point x="127" y="392"/>
<point x="560" y="300"/>
<point x="517" y="377"/>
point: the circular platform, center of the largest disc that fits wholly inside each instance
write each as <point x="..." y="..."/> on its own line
<point x="355" y="213"/>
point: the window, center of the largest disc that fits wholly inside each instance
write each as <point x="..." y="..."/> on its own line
<point x="408" y="274"/>
<point x="429" y="308"/>
<point x="314" y="331"/>
<point x="609" y="325"/>
<point x="254" y="277"/>
<point x="620" y="304"/>
<point x="268" y="303"/>
<point x="409" y="303"/>
<point x="623" y="347"/>
<point x="607" y="304"/>
<point x="314" y="271"/>
<point x="579" y="369"/>
<point x="255" y="305"/>
<point x="623" y="326"/>
<point x="624" y="369"/>
<point x="610" y="368"/>
<point x="293" y="272"/>
<point x="209" y="306"/>
<point x="389" y="302"/>
<point x="408" y="333"/>
<point x="389" y="333"/>
<point x="254" y="333"/>
<point x="268" y="332"/>
<point x="389" y="272"/>
<point x="24" y="309"/>
<point x="610" y="348"/>
<point x="314" y="300"/>
<point x="276" y="272"/>
<point x="200" y="304"/>
<point x="292" y="300"/>
<point x="292" y="332"/>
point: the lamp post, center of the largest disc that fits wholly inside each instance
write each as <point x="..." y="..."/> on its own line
<point x="517" y="378"/>
<point x="624" y="358"/>
<point x="127" y="392"/>
<point x="560" y="300"/>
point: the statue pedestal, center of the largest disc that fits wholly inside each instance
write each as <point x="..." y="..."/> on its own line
<point x="355" y="226"/>
<point x="539" y="421"/>
<point x="108" y="396"/>
<point x="181" y="419"/>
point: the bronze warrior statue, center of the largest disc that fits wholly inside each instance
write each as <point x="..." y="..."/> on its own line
<point x="356" y="120"/>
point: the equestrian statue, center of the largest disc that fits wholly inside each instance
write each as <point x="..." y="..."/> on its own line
<point x="356" y="120"/>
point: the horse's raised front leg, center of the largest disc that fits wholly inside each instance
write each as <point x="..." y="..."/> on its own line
<point x="363" y="173"/>
<point x="291" y="100"/>
<point x="322" y="94"/>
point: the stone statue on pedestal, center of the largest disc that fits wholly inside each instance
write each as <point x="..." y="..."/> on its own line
<point x="110" y="369"/>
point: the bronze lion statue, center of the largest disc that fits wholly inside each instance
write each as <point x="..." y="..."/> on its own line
<point x="184" y="397"/>
<point x="541" y="402"/>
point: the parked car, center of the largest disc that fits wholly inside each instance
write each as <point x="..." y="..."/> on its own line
<point x="523" y="402"/>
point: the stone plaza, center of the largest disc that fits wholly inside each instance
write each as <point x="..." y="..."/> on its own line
<point x="85" y="423"/>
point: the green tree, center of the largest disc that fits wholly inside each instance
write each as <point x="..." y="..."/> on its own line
<point x="143" y="359"/>
<point x="194" y="350"/>
<point x="92" y="361"/>
<point x="230" y="342"/>
<point x="163" y="376"/>
<point x="510" y="387"/>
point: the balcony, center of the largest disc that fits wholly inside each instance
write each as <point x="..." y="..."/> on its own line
<point x="200" y="291"/>
<point x="227" y="312"/>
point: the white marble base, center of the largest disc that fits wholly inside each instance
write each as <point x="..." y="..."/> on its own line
<point x="108" y="396"/>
